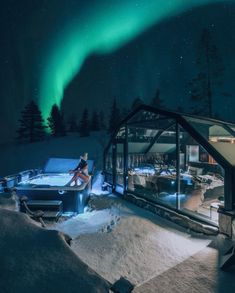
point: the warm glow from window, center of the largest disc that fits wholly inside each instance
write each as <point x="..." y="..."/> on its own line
<point x="222" y="139"/>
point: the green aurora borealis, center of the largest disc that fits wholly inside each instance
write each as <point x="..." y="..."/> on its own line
<point x="100" y="29"/>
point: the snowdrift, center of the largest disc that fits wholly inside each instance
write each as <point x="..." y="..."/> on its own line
<point x="34" y="259"/>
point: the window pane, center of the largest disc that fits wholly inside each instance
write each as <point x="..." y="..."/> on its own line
<point x="109" y="167"/>
<point x="148" y="120"/>
<point x="151" y="163"/>
<point x="121" y="133"/>
<point x="120" y="165"/>
<point x="220" y="136"/>
<point x="202" y="179"/>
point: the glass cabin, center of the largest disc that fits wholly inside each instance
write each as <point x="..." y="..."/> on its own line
<point x="183" y="162"/>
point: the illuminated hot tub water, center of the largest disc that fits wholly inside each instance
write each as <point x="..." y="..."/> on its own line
<point x="49" y="179"/>
<point x="51" y="185"/>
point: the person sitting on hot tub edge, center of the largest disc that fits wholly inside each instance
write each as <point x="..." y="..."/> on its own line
<point x="81" y="171"/>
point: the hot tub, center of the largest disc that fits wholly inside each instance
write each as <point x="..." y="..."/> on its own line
<point x="50" y="185"/>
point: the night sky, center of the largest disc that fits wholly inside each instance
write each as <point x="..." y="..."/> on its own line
<point x="85" y="53"/>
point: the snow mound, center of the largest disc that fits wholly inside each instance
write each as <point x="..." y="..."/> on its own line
<point x="9" y="201"/>
<point x="88" y="222"/>
<point x="34" y="259"/>
<point x="102" y="214"/>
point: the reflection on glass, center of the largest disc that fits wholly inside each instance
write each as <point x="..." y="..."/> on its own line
<point x="137" y="134"/>
<point x="120" y="165"/>
<point x="121" y="133"/>
<point x="144" y="116"/>
<point x="220" y="136"/>
<point x="120" y="169"/>
<point x="109" y="167"/>
<point x="152" y="164"/>
<point x="152" y="169"/>
<point x="202" y="179"/>
<point x="153" y="160"/>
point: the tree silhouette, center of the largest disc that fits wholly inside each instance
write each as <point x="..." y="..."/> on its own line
<point x="137" y="101"/>
<point x="32" y="126"/>
<point x="72" y="122"/>
<point x="124" y="112"/>
<point x="56" y="122"/>
<point x="115" y="116"/>
<point x="84" y="125"/>
<point x="102" y="120"/>
<point x="157" y="101"/>
<point x="209" y="77"/>
<point x="95" y="123"/>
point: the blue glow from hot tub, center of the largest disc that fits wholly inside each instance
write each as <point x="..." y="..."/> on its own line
<point x="61" y="192"/>
<point x="187" y="178"/>
<point x="164" y="173"/>
<point x="25" y="177"/>
<point x="172" y="197"/>
<point x="50" y="180"/>
<point x="144" y="170"/>
<point x="81" y="203"/>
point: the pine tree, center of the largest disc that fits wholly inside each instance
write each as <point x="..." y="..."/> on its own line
<point x="32" y="126"/>
<point x="210" y="74"/>
<point x="102" y="120"/>
<point x="72" y="122"/>
<point x="124" y="112"/>
<point x="136" y="103"/>
<point x="115" y="117"/>
<point x="95" y="123"/>
<point x="56" y="122"/>
<point x="157" y="101"/>
<point x="84" y="125"/>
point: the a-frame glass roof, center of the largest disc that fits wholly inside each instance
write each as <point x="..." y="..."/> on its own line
<point x="220" y="135"/>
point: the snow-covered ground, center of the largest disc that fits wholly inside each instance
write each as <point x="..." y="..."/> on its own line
<point x="132" y="243"/>
<point x="119" y="239"/>
<point x="198" y="273"/>
<point x="33" y="259"/>
<point x="16" y="158"/>
<point x="113" y="238"/>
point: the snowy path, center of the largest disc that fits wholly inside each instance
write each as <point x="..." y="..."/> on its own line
<point x="199" y="273"/>
<point x="120" y="239"/>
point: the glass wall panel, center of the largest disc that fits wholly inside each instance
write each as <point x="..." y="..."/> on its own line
<point x="138" y="141"/>
<point x="120" y="164"/>
<point x="109" y="166"/>
<point x="220" y="136"/>
<point x="152" y="161"/>
<point x="201" y="179"/>
<point x="164" y="180"/>
<point x="121" y="133"/>
<point x="143" y="118"/>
